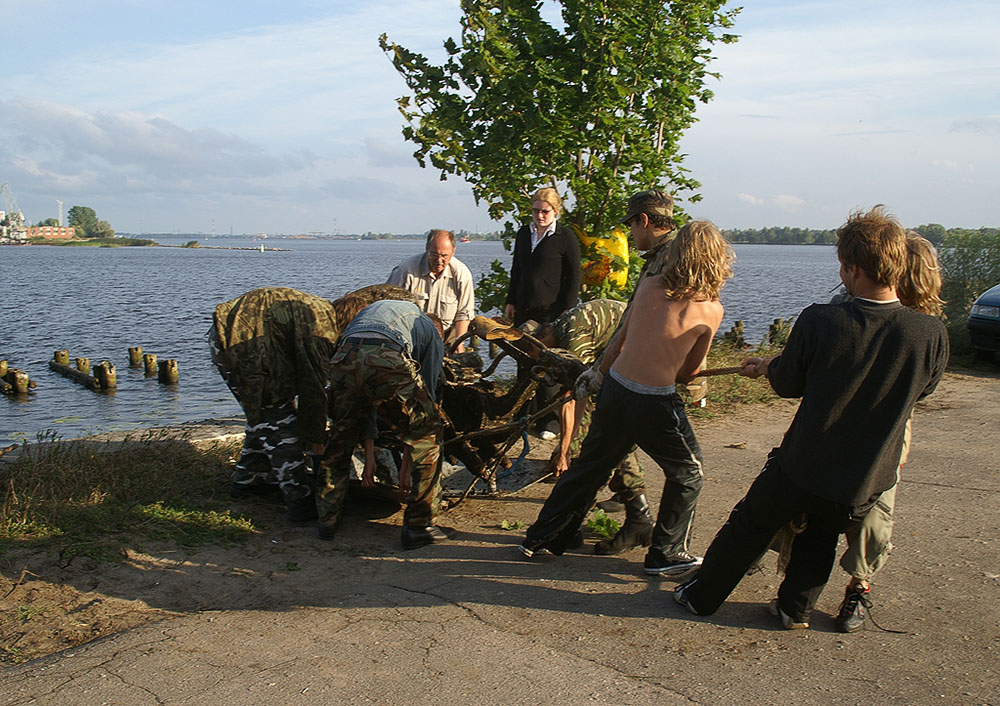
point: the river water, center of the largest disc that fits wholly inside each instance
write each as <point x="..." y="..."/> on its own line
<point x="97" y="302"/>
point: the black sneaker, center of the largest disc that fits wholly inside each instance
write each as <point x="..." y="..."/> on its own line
<point x="529" y="550"/>
<point x="303" y="509"/>
<point x="682" y="599"/>
<point x="676" y="566"/>
<point x="414" y="537"/>
<point x="774" y="608"/>
<point x="532" y="548"/>
<point x="325" y="532"/>
<point x="854" y="609"/>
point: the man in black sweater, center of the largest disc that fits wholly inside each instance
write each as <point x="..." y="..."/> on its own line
<point x="859" y="368"/>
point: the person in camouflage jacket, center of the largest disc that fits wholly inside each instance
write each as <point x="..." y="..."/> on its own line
<point x="272" y="346"/>
<point x="387" y="366"/>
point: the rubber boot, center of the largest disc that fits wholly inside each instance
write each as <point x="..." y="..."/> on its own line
<point x="636" y="532"/>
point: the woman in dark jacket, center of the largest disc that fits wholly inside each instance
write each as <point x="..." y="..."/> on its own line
<point x="545" y="274"/>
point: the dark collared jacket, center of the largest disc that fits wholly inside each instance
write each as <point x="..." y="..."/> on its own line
<point x="546" y="282"/>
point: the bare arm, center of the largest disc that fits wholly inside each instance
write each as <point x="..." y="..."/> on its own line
<point x="460" y="329"/>
<point x="567" y="427"/>
<point x="368" y="474"/>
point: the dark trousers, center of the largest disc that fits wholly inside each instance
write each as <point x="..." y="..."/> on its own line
<point x="659" y="425"/>
<point x="770" y="503"/>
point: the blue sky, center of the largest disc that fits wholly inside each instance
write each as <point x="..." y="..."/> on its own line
<point x="276" y="117"/>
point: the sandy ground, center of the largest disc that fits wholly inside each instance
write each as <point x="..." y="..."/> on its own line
<point x="359" y="621"/>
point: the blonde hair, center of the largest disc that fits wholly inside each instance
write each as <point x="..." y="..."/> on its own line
<point x="549" y="196"/>
<point x="920" y="286"/>
<point x="698" y="263"/>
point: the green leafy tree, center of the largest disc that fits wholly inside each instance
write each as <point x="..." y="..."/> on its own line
<point x="934" y="232"/>
<point x="87" y="224"/>
<point x="103" y="229"/>
<point x="84" y="219"/>
<point x="970" y="264"/>
<point x="48" y="222"/>
<point x="595" y="106"/>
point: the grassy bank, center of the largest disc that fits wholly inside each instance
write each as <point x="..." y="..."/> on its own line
<point x="96" y="242"/>
<point x="91" y="498"/>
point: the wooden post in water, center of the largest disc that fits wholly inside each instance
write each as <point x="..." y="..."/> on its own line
<point x="106" y="374"/>
<point x="168" y="372"/>
<point x="149" y="361"/>
<point x="14" y="380"/>
<point x="83" y="365"/>
<point x="778" y="331"/>
<point x="84" y="378"/>
<point x="135" y="356"/>
<point x="18" y="380"/>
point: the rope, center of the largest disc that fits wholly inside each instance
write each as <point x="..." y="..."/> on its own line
<point x="709" y="372"/>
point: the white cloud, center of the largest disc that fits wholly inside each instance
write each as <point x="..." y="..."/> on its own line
<point x="750" y="199"/>
<point x="787" y="202"/>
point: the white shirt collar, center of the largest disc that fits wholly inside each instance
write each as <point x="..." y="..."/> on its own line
<point x="536" y="238"/>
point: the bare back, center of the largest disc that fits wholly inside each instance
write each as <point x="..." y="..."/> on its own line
<point x="665" y="340"/>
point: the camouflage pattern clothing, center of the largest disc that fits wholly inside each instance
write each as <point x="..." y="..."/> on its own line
<point x="390" y="359"/>
<point x="271" y="346"/>
<point x="276" y="345"/>
<point x="272" y="454"/>
<point x="585" y="331"/>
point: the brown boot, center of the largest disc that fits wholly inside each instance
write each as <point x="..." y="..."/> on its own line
<point x="636" y="532"/>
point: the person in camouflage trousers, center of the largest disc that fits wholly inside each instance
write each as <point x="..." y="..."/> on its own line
<point x="272" y="347"/>
<point x="585" y="331"/>
<point x="386" y="367"/>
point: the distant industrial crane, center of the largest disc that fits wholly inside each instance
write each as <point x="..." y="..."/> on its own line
<point x="18" y="230"/>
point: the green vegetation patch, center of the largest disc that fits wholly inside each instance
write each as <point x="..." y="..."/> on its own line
<point x="603" y="524"/>
<point x="726" y="392"/>
<point x="95" y="242"/>
<point x="91" y="498"/>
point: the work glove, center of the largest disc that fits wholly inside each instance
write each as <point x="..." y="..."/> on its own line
<point x="589" y="383"/>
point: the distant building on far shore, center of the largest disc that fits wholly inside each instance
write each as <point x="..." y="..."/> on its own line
<point x="52" y="232"/>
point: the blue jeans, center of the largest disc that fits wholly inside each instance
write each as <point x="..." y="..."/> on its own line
<point x="659" y="426"/>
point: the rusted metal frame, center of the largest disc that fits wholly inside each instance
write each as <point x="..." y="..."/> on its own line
<point x="518" y="429"/>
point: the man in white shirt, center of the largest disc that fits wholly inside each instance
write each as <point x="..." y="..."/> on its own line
<point x="442" y="283"/>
